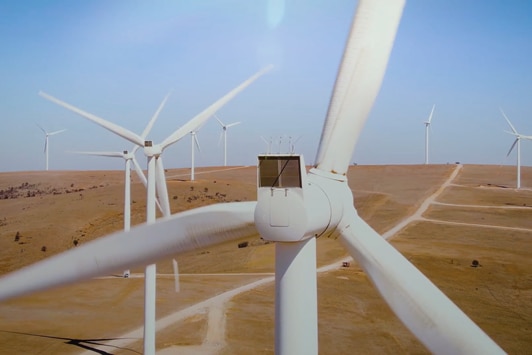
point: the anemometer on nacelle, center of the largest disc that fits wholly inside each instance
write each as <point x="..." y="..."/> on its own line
<point x="289" y="207"/>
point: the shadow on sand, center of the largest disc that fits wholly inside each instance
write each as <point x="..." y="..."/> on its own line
<point x="87" y="344"/>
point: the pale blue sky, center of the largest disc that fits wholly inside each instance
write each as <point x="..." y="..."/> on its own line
<point x="119" y="58"/>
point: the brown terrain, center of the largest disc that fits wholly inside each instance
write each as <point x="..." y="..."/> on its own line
<point x="479" y="216"/>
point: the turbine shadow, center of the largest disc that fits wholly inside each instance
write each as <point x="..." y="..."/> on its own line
<point x="87" y="344"/>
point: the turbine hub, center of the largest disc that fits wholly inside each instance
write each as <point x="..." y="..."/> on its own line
<point x="290" y="206"/>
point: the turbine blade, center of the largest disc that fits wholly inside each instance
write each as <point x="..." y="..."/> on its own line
<point x="197" y="142"/>
<point x="140" y="173"/>
<point x="203" y="116"/>
<point x="220" y="138"/>
<point x="508" y="120"/>
<point x="45" y="144"/>
<point x="56" y="132"/>
<point x="102" y="154"/>
<point x="434" y="319"/>
<point x="431" y="113"/>
<point x="154" y="117"/>
<point x="160" y="185"/>
<point x="359" y="79"/>
<point x="233" y="124"/>
<point x="219" y="121"/>
<point x="142" y="245"/>
<point x="42" y="129"/>
<point x="512" y="147"/>
<point x="116" y="129"/>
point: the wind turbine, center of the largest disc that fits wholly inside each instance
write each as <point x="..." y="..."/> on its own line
<point x="157" y="182"/>
<point x="46" y="135"/>
<point x="129" y="156"/>
<point x="268" y="144"/>
<point x="427" y="128"/>
<point x="292" y="144"/>
<point x="224" y="132"/>
<point x="319" y="204"/>
<point x="194" y="143"/>
<point x="517" y="142"/>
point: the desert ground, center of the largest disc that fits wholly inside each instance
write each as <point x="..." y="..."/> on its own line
<point x="226" y="300"/>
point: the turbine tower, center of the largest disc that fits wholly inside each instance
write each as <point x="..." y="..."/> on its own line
<point x="517" y="142"/>
<point x="293" y="209"/>
<point x="427" y="128"/>
<point x="157" y="182"/>
<point x="224" y="133"/>
<point x="46" y="144"/>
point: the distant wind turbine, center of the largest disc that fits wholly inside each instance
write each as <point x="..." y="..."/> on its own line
<point x="224" y="133"/>
<point x="268" y="144"/>
<point x="427" y="128"/>
<point x="292" y="144"/>
<point x="517" y="142"/>
<point x="46" y="135"/>
<point x="129" y="156"/>
<point x="194" y="143"/>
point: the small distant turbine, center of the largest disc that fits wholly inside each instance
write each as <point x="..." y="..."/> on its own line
<point x="194" y="143"/>
<point x="268" y="144"/>
<point x="292" y="144"/>
<point x="517" y="142"/>
<point x="224" y="133"/>
<point x="46" y="135"/>
<point x="427" y="127"/>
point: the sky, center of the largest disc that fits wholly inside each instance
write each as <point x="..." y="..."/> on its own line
<point x="117" y="59"/>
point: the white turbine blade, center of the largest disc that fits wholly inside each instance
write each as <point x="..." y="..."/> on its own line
<point x="160" y="185"/>
<point x="154" y="117"/>
<point x="358" y="81"/>
<point x="142" y="245"/>
<point x="431" y="113"/>
<point x="56" y="132"/>
<point x="116" y="129"/>
<point x="220" y="138"/>
<point x="512" y="147"/>
<point x="507" y="120"/>
<point x="42" y="129"/>
<point x="434" y="319"/>
<point x="197" y="142"/>
<point x="233" y="124"/>
<point x="45" y="144"/>
<point x="219" y="121"/>
<point x="140" y="173"/>
<point x="202" y="117"/>
<point x="102" y="154"/>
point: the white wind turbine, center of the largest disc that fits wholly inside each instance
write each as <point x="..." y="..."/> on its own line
<point x="322" y="205"/>
<point x="129" y="156"/>
<point x="46" y="144"/>
<point x="517" y="142"/>
<point x="194" y="144"/>
<point x="224" y="133"/>
<point x="427" y="128"/>
<point x="156" y="182"/>
<point x="268" y="144"/>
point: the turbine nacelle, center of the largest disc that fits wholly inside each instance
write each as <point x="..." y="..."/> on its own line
<point x="152" y="150"/>
<point x="293" y="206"/>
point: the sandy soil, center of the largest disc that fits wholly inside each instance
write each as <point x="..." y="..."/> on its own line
<point x="476" y="218"/>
